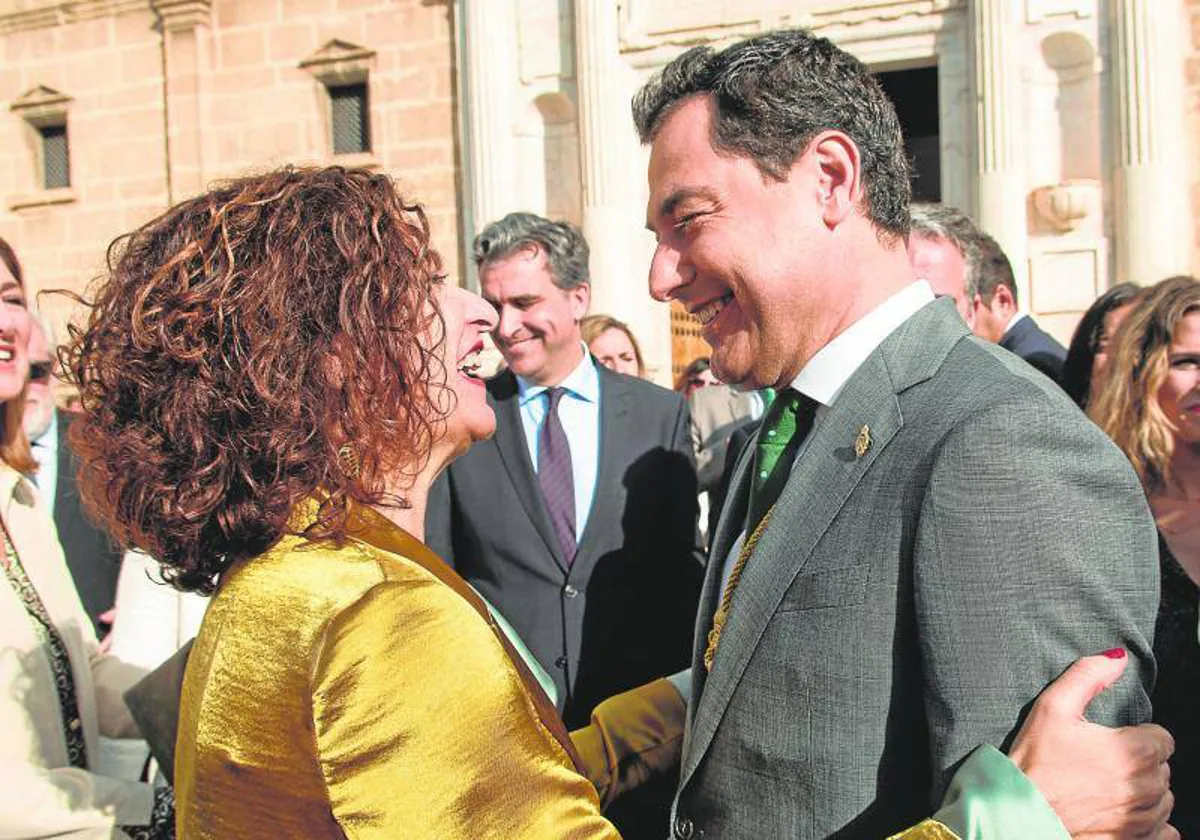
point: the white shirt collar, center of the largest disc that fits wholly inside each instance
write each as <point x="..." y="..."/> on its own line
<point x="830" y="369"/>
<point x="1013" y="321"/>
<point x="583" y="382"/>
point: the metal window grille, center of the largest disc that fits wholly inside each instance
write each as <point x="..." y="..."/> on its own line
<point x="351" y="128"/>
<point x="56" y="167"/>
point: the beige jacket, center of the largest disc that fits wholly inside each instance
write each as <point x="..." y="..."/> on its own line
<point x="40" y="794"/>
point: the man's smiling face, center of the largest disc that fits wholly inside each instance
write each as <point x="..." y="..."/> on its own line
<point x="736" y="248"/>
<point x="538" y="330"/>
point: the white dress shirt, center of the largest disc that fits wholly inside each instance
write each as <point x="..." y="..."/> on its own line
<point x="579" y="412"/>
<point x="827" y="372"/>
<point x="45" y="452"/>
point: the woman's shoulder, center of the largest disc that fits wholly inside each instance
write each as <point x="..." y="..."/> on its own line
<point x="318" y="577"/>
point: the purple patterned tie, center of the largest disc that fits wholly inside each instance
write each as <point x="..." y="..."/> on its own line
<point x="555" y="476"/>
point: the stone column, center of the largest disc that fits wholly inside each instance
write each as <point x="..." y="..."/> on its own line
<point x="610" y="165"/>
<point x="186" y="63"/>
<point x="489" y="36"/>
<point x="999" y="173"/>
<point x="1150" y="212"/>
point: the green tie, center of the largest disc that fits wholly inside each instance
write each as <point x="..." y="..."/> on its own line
<point x="784" y="427"/>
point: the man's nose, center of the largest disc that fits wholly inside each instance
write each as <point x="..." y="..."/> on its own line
<point x="665" y="277"/>
<point x="508" y="323"/>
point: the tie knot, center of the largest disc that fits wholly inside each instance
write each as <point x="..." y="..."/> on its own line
<point x="553" y="396"/>
<point x="779" y="422"/>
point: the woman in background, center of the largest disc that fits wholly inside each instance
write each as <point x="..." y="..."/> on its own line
<point x="612" y="343"/>
<point x="58" y="692"/>
<point x="1088" y="354"/>
<point x="1149" y="403"/>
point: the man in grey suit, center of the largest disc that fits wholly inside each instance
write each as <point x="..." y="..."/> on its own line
<point x="595" y="561"/>
<point x="924" y="532"/>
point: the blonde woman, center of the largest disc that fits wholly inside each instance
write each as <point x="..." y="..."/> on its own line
<point x="1150" y="405"/>
<point x="612" y="343"/>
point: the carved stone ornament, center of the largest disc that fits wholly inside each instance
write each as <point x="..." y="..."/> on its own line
<point x="183" y="15"/>
<point x="41" y="106"/>
<point x="339" y="63"/>
<point x="1064" y="206"/>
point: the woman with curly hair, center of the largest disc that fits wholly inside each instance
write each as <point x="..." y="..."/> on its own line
<point x="58" y="692"/>
<point x="1150" y="405"/>
<point x="271" y="378"/>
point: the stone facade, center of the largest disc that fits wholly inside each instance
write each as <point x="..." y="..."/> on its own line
<point x="170" y="95"/>
<point x="1192" y="100"/>
<point x="1060" y="126"/>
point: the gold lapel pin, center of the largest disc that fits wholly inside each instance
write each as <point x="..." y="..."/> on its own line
<point x="863" y="442"/>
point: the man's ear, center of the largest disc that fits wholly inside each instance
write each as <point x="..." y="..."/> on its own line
<point x="1004" y="296"/>
<point x="581" y="299"/>
<point x="839" y="176"/>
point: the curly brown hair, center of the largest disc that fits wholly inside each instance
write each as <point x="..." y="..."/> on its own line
<point x="237" y="343"/>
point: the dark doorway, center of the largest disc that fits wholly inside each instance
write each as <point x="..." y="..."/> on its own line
<point x="915" y="94"/>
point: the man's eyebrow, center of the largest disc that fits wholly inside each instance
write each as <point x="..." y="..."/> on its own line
<point x="670" y="204"/>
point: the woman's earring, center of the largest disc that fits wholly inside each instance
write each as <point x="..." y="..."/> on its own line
<point x="348" y="461"/>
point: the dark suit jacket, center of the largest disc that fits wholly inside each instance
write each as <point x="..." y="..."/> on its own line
<point x="1036" y="346"/>
<point x="908" y="599"/>
<point x="622" y="613"/>
<point x="93" y="560"/>
<point x="719" y="492"/>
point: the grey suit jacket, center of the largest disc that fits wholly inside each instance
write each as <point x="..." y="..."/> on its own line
<point x="904" y="606"/>
<point x="622" y="613"/>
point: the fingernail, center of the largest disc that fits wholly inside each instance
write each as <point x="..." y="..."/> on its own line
<point x="1115" y="653"/>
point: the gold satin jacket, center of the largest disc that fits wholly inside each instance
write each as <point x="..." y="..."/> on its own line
<point x="365" y="692"/>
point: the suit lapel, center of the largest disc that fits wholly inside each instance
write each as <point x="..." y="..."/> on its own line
<point x="733" y="517"/>
<point x="820" y="482"/>
<point x="514" y="453"/>
<point x="615" y="430"/>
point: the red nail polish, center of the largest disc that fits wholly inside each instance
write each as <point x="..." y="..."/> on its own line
<point x="1115" y="653"/>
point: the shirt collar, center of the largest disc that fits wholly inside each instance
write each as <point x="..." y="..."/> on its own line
<point x="49" y="439"/>
<point x="1014" y="320"/>
<point x="830" y="369"/>
<point x="583" y="382"/>
<point x="14" y="487"/>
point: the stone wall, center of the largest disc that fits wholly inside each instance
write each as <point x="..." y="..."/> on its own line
<point x="1192" y="113"/>
<point x="231" y="96"/>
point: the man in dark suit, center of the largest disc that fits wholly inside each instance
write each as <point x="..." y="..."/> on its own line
<point x="924" y="532"/>
<point x="94" y="563"/>
<point x="996" y="317"/>
<point x="602" y="586"/>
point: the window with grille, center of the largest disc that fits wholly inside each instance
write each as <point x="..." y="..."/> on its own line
<point x="350" y="118"/>
<point x="56" y="167"/>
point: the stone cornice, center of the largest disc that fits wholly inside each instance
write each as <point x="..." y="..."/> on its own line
<point x="44" y="15"/>
<point x="182" y="15"/>
<point x="41" y="106"/>
<point x="339" y="62"/>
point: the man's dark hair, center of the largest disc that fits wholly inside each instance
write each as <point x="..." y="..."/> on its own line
<point x="773" y="94"/>
<point x="565" y="248"/>
<point x="990" y="269"/>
